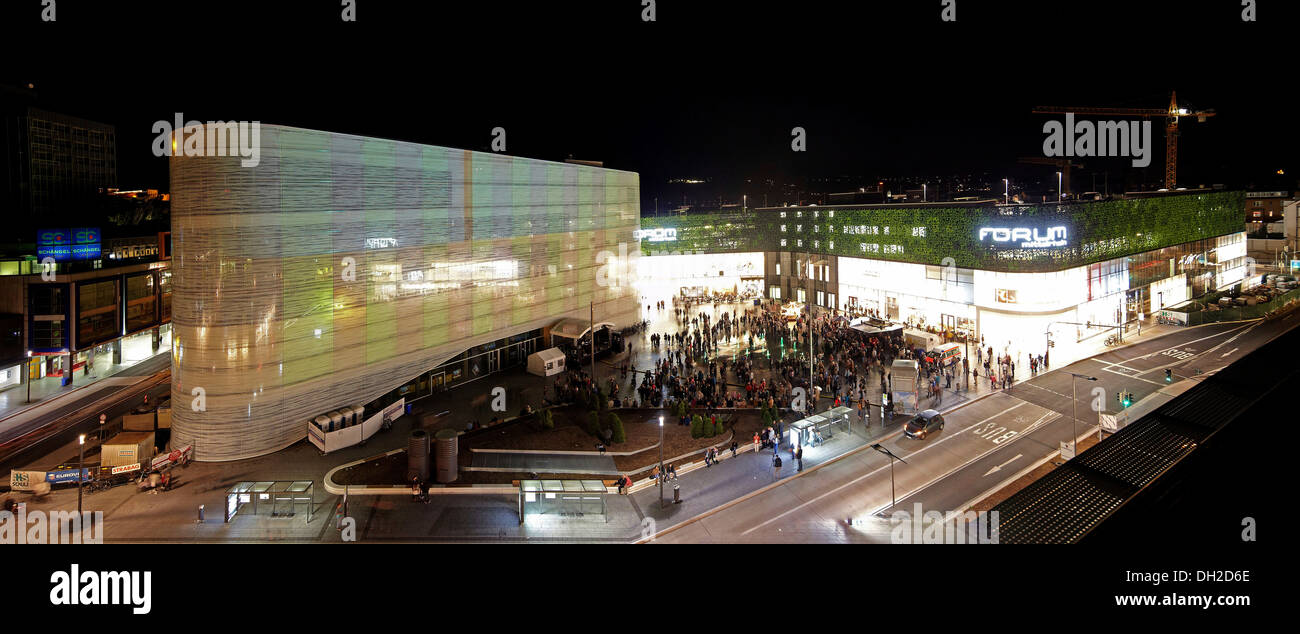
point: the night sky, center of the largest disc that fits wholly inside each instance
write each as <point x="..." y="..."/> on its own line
<point x="700" y="93"/>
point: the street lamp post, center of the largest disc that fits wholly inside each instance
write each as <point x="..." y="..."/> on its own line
<point x="1074" y="409"/>
<point x="661" y="462"/>
<point x="924" y="189"/>
<point x="27" y="372"/>
<point x="81" y="470"/>
<point x="1060" y="195"/>
<point x="1006" y="192"/>
<point x="893" y="499"/>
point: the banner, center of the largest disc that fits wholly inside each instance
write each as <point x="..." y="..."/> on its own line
<point x="174" y="456"/>
<point x="25" y="480"/>
<point x="66" y="475"/>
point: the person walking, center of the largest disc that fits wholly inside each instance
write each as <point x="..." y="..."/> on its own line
<point x="798" y="456"/>
<point x="733" y="449"/>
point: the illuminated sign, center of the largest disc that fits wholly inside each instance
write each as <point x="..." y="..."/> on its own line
<point x="1025" y="237"/>
<point x="63" y="244"/>
<point x="85" y="235"/>
<point x="1005" y="296"/>
<point x="656" y="235"/>
<point x="53" y="237"/>
<point x="380" y="243"/>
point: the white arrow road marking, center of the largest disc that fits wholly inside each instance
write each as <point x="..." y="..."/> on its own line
<point x="999" y="467"/>
<point x="1228" y="352"/>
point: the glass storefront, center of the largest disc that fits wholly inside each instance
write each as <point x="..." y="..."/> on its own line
<point x="474" y="363"/>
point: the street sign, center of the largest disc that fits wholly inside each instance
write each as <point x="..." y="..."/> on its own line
<point x="1067" y="450"/>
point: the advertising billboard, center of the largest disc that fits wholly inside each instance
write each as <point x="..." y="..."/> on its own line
<point x="81" y="243"/>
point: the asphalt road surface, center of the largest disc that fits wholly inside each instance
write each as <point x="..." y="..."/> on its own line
<point x="982" y="445"/>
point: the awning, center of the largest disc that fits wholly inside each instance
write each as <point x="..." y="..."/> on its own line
<point x="575" y="328"/>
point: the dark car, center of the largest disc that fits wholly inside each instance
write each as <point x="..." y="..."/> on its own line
<point x="923" y="424"/>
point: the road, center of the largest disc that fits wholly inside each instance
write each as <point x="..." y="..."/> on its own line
<point x="25" y="438"/>
<point x="983" y="445"/>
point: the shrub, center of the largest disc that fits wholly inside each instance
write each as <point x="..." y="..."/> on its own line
<point x="593" y="423"/>
<point x="615" y="423"/>
<point x="697" y="426"/>
<point x="717" y="428"/>
<point x="547" y="419"/>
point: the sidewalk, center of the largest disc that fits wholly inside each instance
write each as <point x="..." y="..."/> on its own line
<point x="14" y="400"/>
<point x="18" y="418"/>
<point x="705" y="489"/>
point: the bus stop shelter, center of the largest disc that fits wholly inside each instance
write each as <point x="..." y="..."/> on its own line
<point x="815" y="429"/>
<point x="280" y="498"/>
<point x="840" y="415"/>
<point x="564" y="498"/>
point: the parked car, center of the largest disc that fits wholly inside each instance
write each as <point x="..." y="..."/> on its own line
<point x="923" y="424"/>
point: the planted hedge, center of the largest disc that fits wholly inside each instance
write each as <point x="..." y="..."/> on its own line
<point x="1097" y="231"/>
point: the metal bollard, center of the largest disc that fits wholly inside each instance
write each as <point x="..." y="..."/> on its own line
<point x="677" y="494"/>
<point x="200" y="514"/>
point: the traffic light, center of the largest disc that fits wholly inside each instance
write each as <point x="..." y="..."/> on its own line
<point x="1128" y="399"/>
<point x="1051" y="344"/>
<point x="1169" y="375"/>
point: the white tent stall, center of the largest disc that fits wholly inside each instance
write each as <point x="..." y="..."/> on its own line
<point x="546" y="362"/>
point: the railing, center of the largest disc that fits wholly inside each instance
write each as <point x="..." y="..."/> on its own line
<point x="1237" y="313"/>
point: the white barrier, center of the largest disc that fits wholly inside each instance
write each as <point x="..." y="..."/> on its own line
<point x="354" y="434"/>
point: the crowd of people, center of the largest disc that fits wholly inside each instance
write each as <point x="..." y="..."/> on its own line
<point x="688" y="367"/>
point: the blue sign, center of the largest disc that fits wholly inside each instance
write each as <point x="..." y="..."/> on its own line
<point x="67" y="475"/>
<point x="85" y="251"/>
<point x="59" y="253"/>
<point x="85" y="235"/>
<point x="63" y="244"/>
<point x="53" y="237"/>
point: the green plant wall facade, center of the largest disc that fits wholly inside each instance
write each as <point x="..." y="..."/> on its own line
<point x="1094" y="231"/>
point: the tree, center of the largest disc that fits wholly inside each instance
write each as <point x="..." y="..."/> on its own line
<point x="547" y="419"/>
<point x="593" y="423"/>
<point x="717" y="428"/>
<point x="697" y="426"/>
<point x="767" y="416"/>
<point x="615" y="423"/>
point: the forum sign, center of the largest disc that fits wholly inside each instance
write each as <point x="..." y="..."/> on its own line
<point x="661" y="234"/>
<point x="1024" y="237"/>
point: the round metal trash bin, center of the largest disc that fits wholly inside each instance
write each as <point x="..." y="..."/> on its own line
<point x="417" y="456"/>
<point x="448" y="446"/>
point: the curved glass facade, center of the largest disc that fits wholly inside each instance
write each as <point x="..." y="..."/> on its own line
<point x="341" y="267"/>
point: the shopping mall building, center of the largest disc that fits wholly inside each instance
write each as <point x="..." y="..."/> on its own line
<point x="1008" y="274"/>
<point x="342" y="268"/>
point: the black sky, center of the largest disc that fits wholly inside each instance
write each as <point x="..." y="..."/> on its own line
<point x="710" y="90"/>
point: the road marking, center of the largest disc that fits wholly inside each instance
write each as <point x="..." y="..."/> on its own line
<point x="1131" y="376"/>
<point x="1047" y="390"/>
<point x="997" y="468"/>
<point x="882" y="468"/>
<point x="1048" y="417"/>
<point x="1228" y="352"/>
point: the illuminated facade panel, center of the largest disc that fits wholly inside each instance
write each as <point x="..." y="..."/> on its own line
<point x="340" y="267"/>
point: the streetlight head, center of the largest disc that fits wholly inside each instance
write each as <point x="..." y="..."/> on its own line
<point x="661" y="421"/>
<point x="81" y="440"/>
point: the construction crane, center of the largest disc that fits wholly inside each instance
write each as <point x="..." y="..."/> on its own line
<point x="1174" y="113"/>
<point x="1063" y="165"/>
